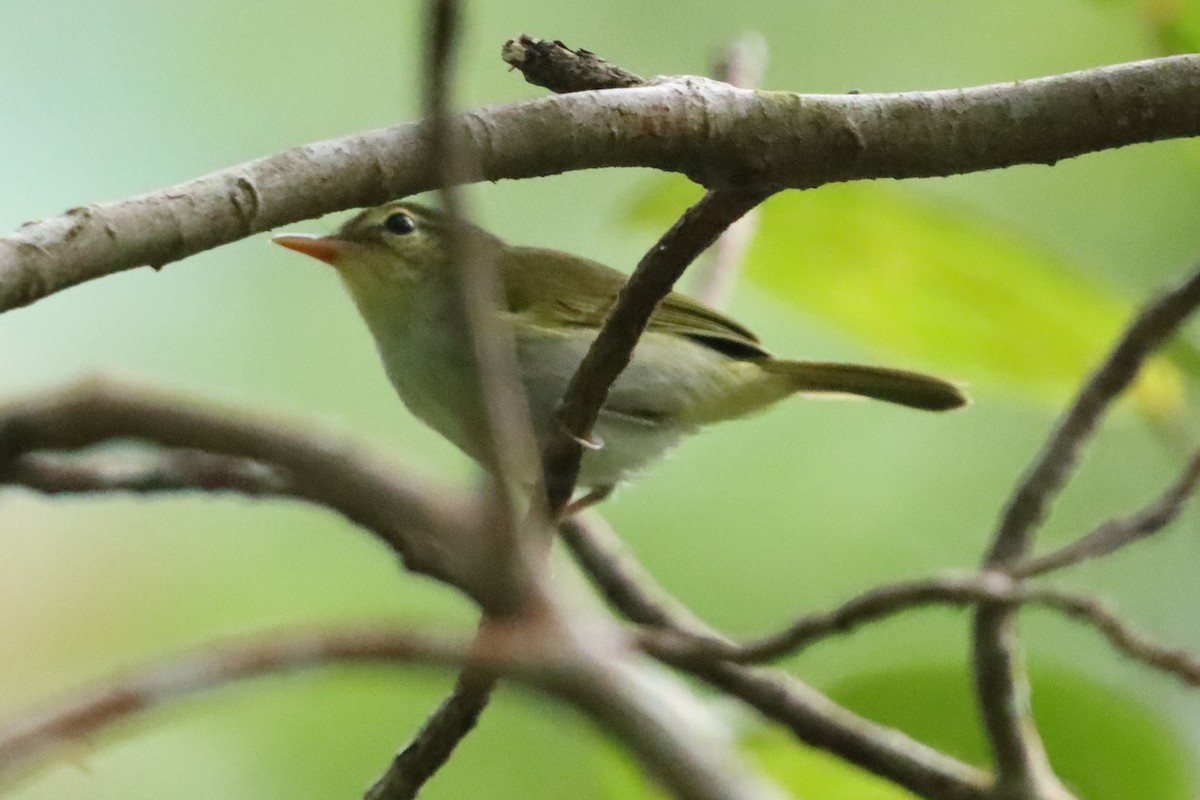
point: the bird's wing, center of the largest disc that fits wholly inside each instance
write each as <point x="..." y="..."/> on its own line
<point x="553" y="289"/>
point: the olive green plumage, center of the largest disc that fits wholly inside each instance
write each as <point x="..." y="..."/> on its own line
<point x="693" y="366"/>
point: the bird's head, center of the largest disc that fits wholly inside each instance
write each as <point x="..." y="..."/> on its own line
<point x="395" y="243"/>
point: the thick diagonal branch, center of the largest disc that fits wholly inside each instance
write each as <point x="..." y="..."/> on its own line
<point x="613" y="347"/>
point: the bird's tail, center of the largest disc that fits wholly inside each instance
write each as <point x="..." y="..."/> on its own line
<point x="912" y="389"/>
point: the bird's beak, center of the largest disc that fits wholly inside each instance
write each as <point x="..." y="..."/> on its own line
<point x="329" y="249"/>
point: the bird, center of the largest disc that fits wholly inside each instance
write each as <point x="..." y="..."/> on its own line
<point x="692" y="367"/>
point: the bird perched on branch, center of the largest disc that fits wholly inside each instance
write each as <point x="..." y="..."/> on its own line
<point x="693" y="366"/>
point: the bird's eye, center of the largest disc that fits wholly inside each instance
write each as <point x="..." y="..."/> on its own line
<point x="399" y="224"/>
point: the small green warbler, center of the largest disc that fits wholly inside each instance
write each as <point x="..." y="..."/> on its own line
<point x="693" y="366"/>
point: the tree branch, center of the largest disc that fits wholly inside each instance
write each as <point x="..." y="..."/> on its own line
<point x="883" y="602"/>
<point x="612" y="348"/>
<point x="81" y="716"/>
<point x="819" y="722"/>
<point x="1022" y="767"/>
<point x="613" y="694"/>
<point x="624" y="582"/>
<point x="506" y="433"/>
<point x="717" y="134"/>
<point x="1042" y="482"/>
<point x="494" y="363"/>
<point x="559" y="68"/>
<point x="146" y="473"/>
<point x="812" y="717"/>
<point x="434" y="534"/>
<point x="1114" y="534"/>
<point x="435" y="742"/>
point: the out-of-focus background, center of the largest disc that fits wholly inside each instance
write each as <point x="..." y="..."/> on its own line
<point x="1011" y="281"/>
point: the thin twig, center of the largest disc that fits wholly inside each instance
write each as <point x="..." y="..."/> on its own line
<point x="877" y="603"/>
<point x="1124" y="638"/>
<point x="1116" y="533"/>
<point x="510" y="455"/>
<point x="621" y="577"/>
<point x="505" y="435"/>
<point x="819" y="722"/>
<point x="629" y="701"/>
<point x="884" y="602"/>
<point x="613" y="347"/>
<point x="624" y="582"/>
<point x="812" y="717"/>
<point x="1022" y="768"/>
<point x="561" y="69"/>
<point x="1042" y="482"/>
<point x="190" y="470"/>
<point x="432" y="746"/>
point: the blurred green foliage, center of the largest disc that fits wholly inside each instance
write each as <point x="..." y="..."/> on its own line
<point x="1129" y="751"/>
<point x="1174" y="24"/>
<point x="932" y="286"/>
<point x="751" y="524"/>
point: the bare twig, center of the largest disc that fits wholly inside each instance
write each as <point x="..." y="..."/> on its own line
<point x="561" y="69"/>
<point x="1029" y="502"/>
<point x="510" y="455"/>
<point x="812" y="717"/>
<point x="883" y="602"/>
<point x="505" y="435"/>
<point x="610" y="352"/>
<point x="624" y="582"/>
<point x="433" y="744"/>
<point x="1122" y="636"/>
<point x="629" y="701"/>
<point x="691" y="645"/>
<point x="875" y="604"/>
<point x="191" y="470"/>
<point x="819" y="722"/>
<point x="1116" y="533"/>
<point x="717" y="134"/>
<point x="1021" y="764"/>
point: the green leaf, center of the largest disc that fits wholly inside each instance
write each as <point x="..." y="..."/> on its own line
<point x="810" y="773"/>
<point x="803" y="771"/>
<point x="1103" y="744"/>
<point x="927" y="286"/>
